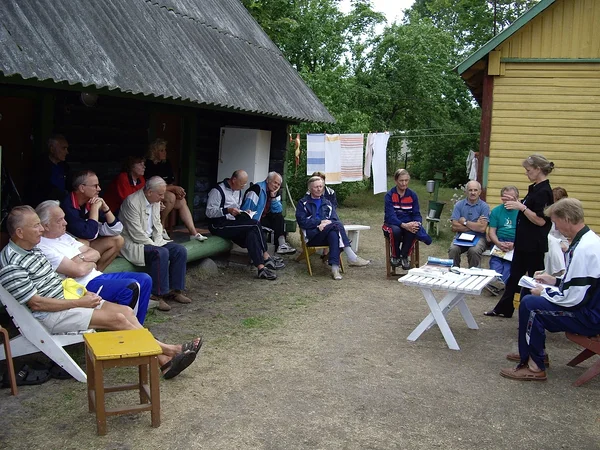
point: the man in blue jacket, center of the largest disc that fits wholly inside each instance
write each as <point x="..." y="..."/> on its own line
<point x="264" y="198"/>
<point x="90" y="219"/>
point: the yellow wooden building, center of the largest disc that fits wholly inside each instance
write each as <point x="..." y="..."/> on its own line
<point x="538" y="84"/>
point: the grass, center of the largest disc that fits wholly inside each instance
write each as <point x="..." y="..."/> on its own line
<point x="263" y="323"/>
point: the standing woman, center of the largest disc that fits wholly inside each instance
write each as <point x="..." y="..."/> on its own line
<point x="531" y="237"/>
<point x="157" y="164"/>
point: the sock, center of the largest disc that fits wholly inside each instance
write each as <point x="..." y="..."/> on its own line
<point x="350" y="254"/>
<point x="334" y="267"/>
<point x="281" y="240"/>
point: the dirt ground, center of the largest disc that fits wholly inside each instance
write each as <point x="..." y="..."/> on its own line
<point x="311" y="363"/>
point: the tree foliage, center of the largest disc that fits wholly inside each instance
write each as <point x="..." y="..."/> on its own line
<point x="400" y="79"/>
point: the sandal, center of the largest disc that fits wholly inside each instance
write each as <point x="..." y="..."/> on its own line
<point x="178" y="364"/>
<point x="27" y="376"/>
<point x="195" y="347"/>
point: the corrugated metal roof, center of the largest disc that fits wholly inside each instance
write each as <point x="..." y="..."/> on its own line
<point x="209" y="52"/>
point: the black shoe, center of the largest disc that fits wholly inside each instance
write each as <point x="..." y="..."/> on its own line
<point x="266" y="274"/>
<point x="273" y="264"/>
<point x="276" y="258"/>
<point x="395" y="262"/>
<point x="405" y="263"/>
<point x="493" y="313"/>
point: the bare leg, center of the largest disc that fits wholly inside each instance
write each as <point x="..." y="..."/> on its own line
<point x="109" y="248"/>
<point x="185" y="215"/>
<point x="169" y="202"/>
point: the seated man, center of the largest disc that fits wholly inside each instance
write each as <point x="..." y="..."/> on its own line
<point x="72" y="259"/>
<point x="320" y="224"/>
<point x="227" y="220"/>
<point x="470" y="216"/>
<point x="574" y="306"/>
<point x="28" y="276"/>
<point x="52" y="178"/>
<point x="90" y="219"/>
<point x="145" y="245"/>
<point x="503" y="225"/>
<point x="264" y="198"/>
<point x="403" y="221"/>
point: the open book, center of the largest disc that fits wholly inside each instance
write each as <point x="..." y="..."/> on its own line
<point x="244" y="214"/>
<point x="501" y="253"/>
<point x="530" y="283"/>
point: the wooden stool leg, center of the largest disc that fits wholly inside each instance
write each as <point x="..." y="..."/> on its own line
<point x="9" y="362"/>
<point x="89" y="368"/>
<point x="154" y="392"/>
<point x="588" y="374"/>
<point x="99" y="397"/>
<point x="585" y="354"/>
<point x="143" y="379"/>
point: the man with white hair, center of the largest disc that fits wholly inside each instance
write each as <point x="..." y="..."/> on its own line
<point x="28" y="276"/>
<point x="72" y="259"/>
<point x="264" y="198"/>
<point x="146" y="247"/>
<point x="571" y="303"/>
<point x="469" y="220"/>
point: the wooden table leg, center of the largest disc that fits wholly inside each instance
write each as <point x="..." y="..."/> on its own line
<point x="154" y="392"/>
<point x="99" y="398"/>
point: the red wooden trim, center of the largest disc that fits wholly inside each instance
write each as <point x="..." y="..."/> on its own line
<point x="487" y="101"/>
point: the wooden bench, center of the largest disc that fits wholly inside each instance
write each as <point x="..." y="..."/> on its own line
<point x="592" y="347"/>
<point x="353" y="232"/>
<point x="196" y="250"/>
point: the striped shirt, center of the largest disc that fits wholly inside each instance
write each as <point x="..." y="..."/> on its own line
<point x="25" y="273"/>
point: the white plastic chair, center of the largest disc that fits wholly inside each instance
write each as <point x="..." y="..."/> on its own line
<point x="35" y="338"/>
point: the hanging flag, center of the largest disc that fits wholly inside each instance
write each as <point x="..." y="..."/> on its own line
<point x="315" y="153"/>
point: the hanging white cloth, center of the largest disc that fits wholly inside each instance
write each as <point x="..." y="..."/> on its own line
<point x="315" y="153"/>
<point x="472" y="164"/>
<point x="333" y="159"/>
<point x="352" y="156"/>
<point x="369" y="155"/>
<point x="380" y="162"/>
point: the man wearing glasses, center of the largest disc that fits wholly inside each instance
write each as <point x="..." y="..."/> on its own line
<point x="227" y="220"/>
<point x="90" y="219"/>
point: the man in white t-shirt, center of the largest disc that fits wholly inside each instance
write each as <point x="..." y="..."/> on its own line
<point x="72" y="259"/>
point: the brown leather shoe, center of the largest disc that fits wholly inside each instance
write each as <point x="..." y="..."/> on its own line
<point x="177" y="295"/>
<point x="162" y="305"/>
<point x="523" y="373"/>
<point x="517" y="358"/>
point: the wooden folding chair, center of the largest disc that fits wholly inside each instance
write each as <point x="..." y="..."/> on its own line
<point x="413" y="253"/>
<point x="592" y="347"/>
<point x="35" y="338"/>
<point x="9" y="362"/>
<point x="307" y="251"/>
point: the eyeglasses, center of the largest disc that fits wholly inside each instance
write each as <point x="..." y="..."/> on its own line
<point x="92" y="185"/>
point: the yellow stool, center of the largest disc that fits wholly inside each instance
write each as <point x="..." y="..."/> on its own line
<point x="122" y="349"/>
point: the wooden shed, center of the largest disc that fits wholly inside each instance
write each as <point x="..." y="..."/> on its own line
<point x="538" y="84"/>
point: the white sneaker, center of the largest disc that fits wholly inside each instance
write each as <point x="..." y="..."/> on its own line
<point x="359" y="262"/>
<point x="335" y="273"/>
<point x="198" y="237"/>
<point x="285" y="248"/>
<point x="165" y="235"/>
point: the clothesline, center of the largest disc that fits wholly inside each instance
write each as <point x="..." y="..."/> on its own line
<point x="396" y="136"/>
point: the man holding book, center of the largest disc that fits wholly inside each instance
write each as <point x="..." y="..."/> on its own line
<point x="228" y="220"/>
<point x="571" y="303"/>
<point x="503" y="224"/>
<point x="469" y="220"/>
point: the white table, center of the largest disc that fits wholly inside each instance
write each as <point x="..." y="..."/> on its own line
<point x="454" y="297"/>
<point x="353" y="232"/>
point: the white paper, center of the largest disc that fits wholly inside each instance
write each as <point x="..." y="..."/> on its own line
<point x="466" y="237"/>
<point x="530" y="283"/>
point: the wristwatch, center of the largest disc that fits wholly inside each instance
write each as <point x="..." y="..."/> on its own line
<point x="81" y="257"/>
<point x="465" y="223"/>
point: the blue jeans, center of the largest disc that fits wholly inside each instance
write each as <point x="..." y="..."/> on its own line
<point x="502" y="266"/>
<point x="125" y="288"/>
<point x="166" y="266"/>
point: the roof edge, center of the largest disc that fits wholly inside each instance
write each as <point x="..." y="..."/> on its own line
<point x="504" y="35"/>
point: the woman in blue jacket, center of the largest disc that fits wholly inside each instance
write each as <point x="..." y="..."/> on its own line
<point x="320" y="224"/>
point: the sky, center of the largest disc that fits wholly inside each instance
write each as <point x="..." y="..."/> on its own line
<point x="391" y="8"/>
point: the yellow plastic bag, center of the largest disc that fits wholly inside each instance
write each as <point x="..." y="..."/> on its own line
<point x="72" y="290"/>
